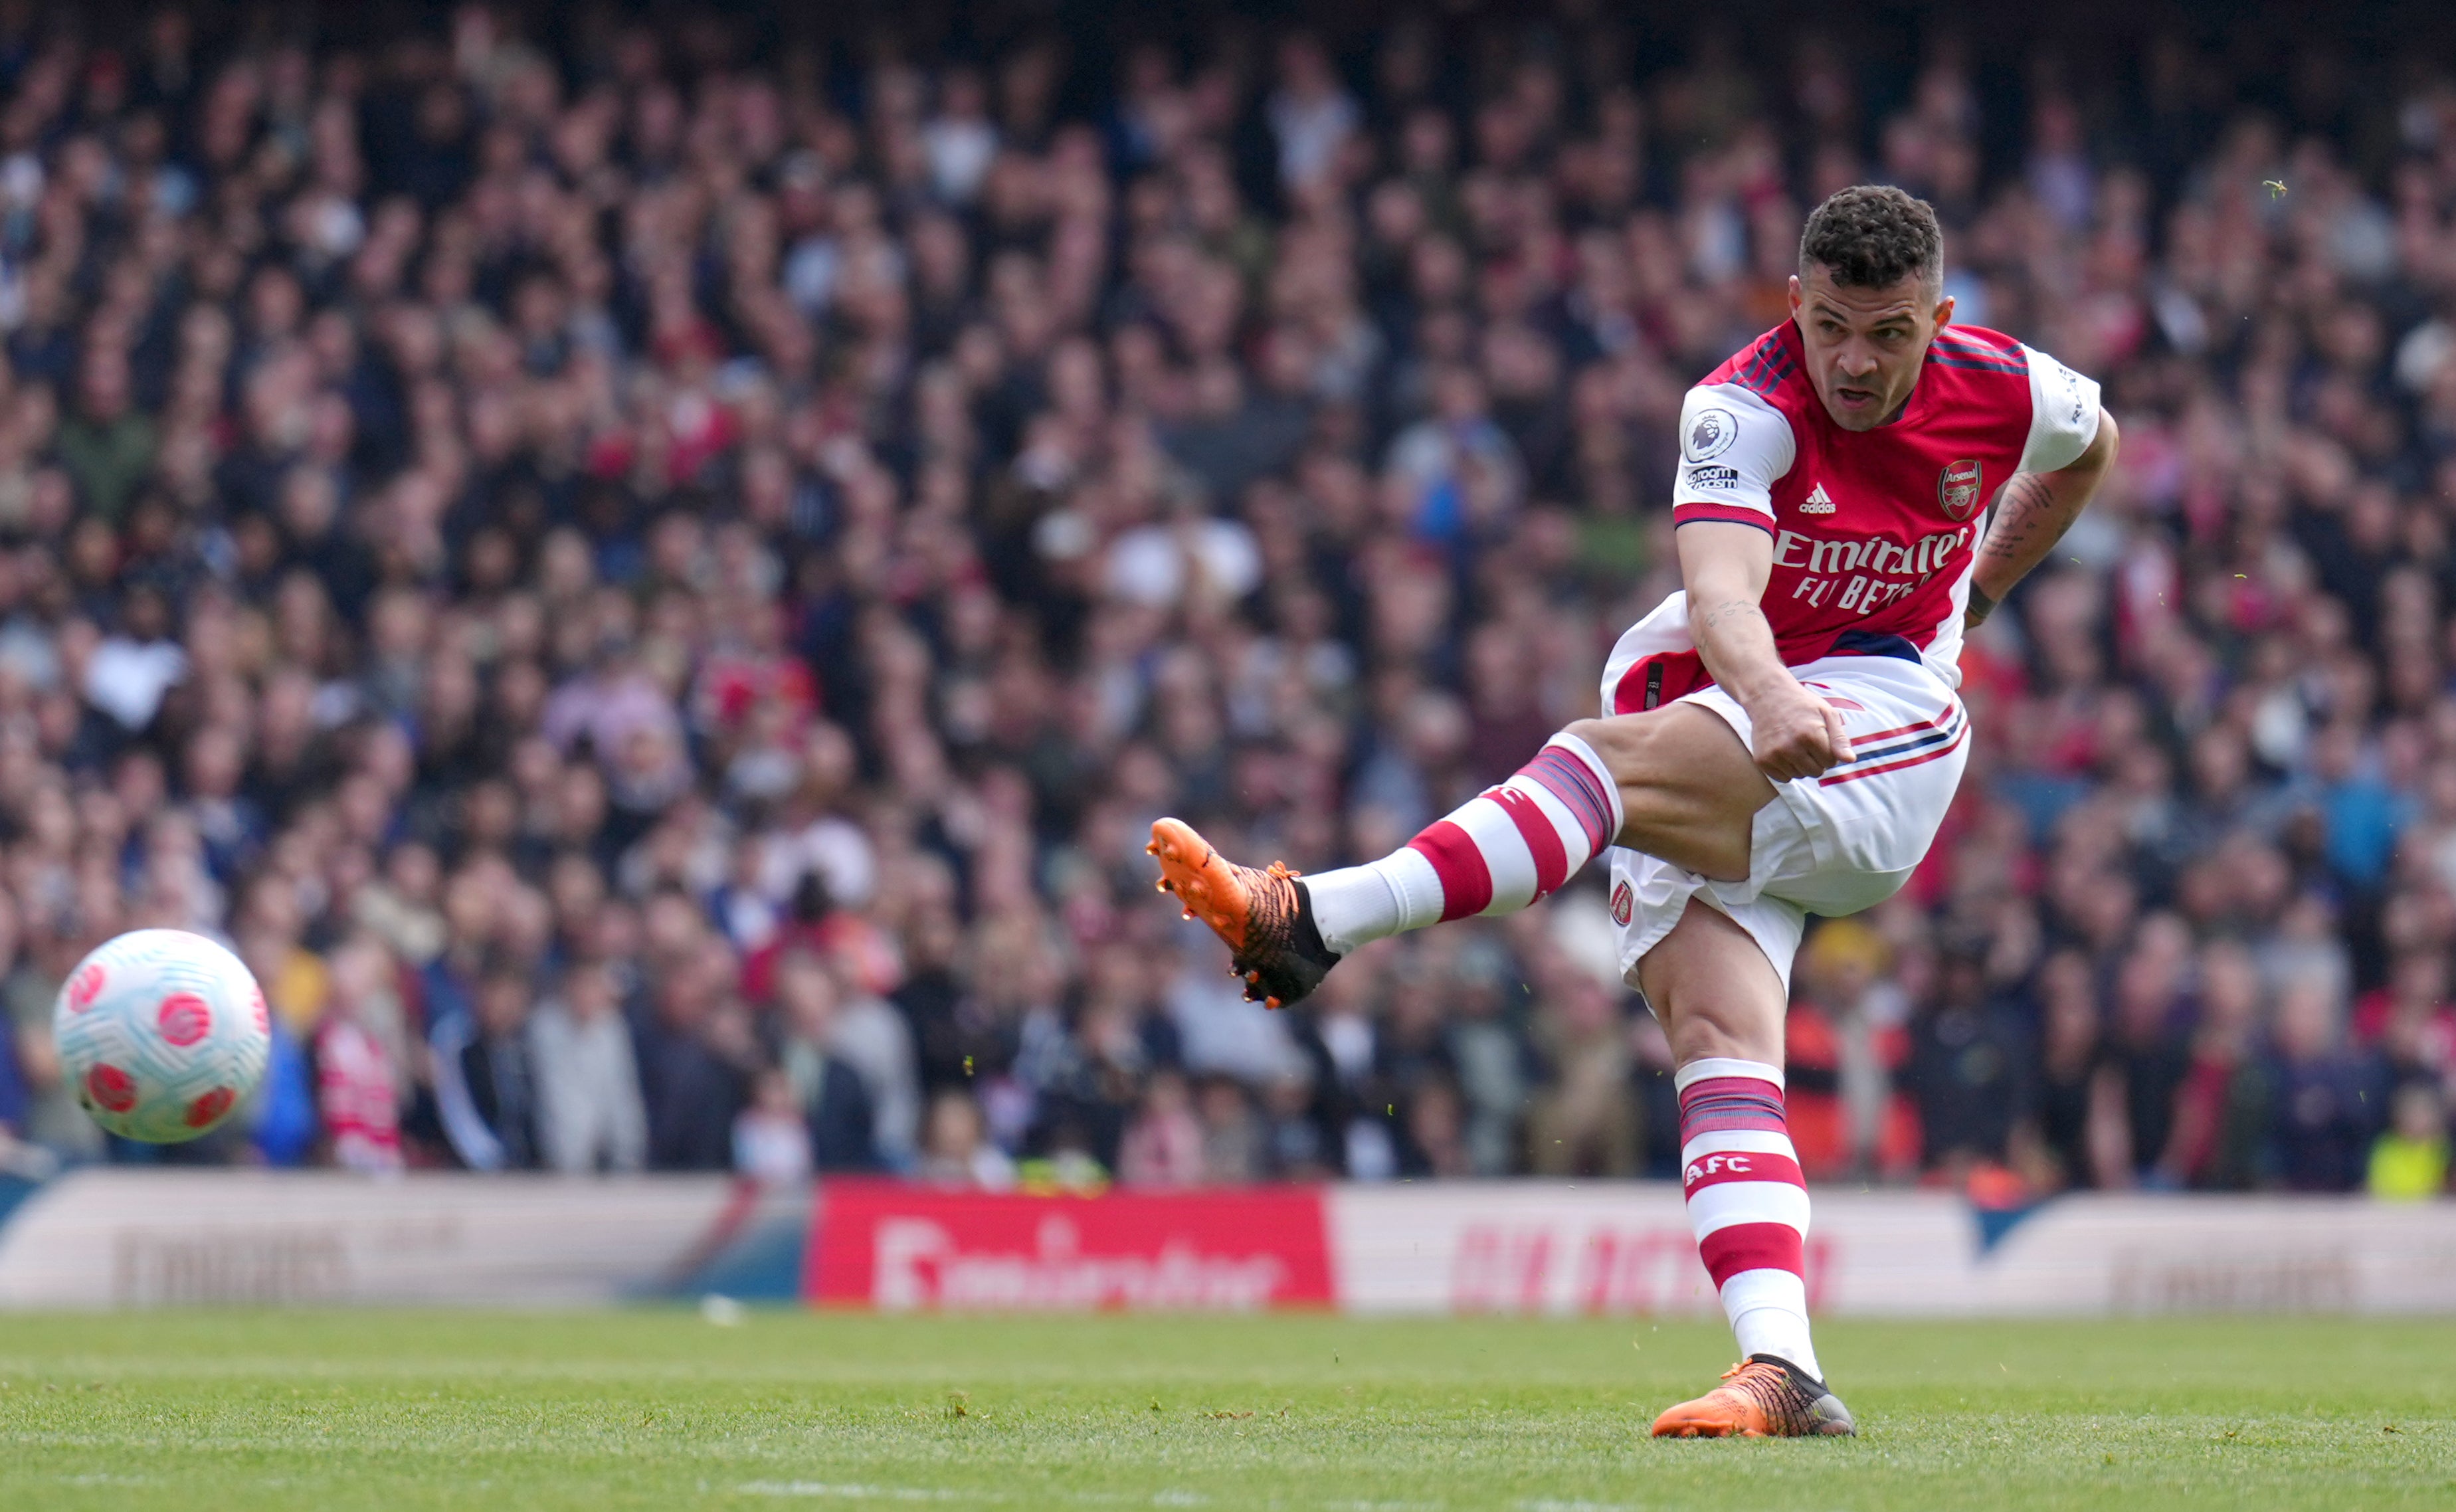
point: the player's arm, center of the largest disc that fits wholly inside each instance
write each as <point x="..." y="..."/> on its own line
<point x="1724" y="566"/>
<point x="2033" y="511"/>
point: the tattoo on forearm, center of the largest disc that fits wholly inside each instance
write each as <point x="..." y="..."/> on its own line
<point x="1729" y="610"/>
<point x="2029" y="520"/>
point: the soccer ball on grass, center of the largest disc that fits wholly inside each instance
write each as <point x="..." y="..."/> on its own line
<point x="162" y="1032"/>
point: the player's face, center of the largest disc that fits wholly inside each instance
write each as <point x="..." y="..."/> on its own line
<point x="1865" y="346"/>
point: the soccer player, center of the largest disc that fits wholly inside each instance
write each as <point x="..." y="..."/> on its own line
<point x="1779" y="738"/>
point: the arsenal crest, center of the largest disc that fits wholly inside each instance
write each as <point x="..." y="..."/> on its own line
<point x="1957" y="489"/>
<point x="1622" y="904"/>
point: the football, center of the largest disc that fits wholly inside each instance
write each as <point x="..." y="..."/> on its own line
<point x="162" y="1032"/>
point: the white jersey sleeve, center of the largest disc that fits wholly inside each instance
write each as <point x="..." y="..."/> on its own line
<point x="1734" y="446"/>
<point x="2063" y="414"/>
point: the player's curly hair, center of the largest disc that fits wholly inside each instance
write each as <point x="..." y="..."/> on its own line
<point x="1872" y="235"/>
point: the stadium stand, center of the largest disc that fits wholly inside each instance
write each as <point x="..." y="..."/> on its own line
<point x="652" y="577"/>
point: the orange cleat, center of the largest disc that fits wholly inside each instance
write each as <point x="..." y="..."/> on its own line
<point x="1762" y="1398"/>
<point x="1261" y="913"/>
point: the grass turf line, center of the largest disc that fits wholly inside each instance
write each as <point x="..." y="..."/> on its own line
<point x="331" y="1410"/>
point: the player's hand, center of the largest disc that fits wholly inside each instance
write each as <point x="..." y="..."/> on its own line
<point x="1798" y="735"/>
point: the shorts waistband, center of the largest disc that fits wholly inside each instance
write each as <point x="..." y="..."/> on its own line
<point x="1872" y="643"/>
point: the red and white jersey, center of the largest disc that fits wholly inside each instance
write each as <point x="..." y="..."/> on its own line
<point x="1874" y="532"/>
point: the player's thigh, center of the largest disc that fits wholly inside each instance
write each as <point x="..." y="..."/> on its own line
<point x="1710" y="982"/>
<point x="1689" y="788"/>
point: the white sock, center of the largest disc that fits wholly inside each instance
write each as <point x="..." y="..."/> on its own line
<point x="1356" y="905"/>
<point x="1747" y="1203"/>
<point x="1768" y="1314"/>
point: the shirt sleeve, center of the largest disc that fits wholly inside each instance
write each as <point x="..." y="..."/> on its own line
<point x="2063" y="414"/>
<point x="1734" y="446"/>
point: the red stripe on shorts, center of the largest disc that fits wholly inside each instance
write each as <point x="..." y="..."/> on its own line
<point x="1937" y="754"/>
<point x="1931" y="722"/>
<point x="1466" y="882"/>
<point x="1750" y="1247"/>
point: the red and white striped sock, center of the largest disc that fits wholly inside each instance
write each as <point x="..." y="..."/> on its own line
<point x="1506" y="848"/>
<point x="1747" y="1203"/>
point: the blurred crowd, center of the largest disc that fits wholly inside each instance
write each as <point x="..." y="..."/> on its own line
<point x="651" y="573"/>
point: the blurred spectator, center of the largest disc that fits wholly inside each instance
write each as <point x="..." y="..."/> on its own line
<point x="14" y="1103"/>
<point x="1844" y="1043"/>
<point x="874" y="1040"/>
<point x="358" y="1069"/>
<point x="1296" y="1145"/>
<point x="1455" y="471"/>
<point x="2226" y="1103"/>
<point x="485" y="1085"/>
<point x="1436" y="1132"/>
<point x="282" y="1122"/>
<point x="590" y="1117"/>
<point x="2147" y="1055"/>
<point x="1233" y="1148"/>
<point x="2411" y="1018"/>
<point x="771" y="1140"/>
<point x="1489" y="1051"/>
<point x="1585" y="1123"/>
<point x="106" y="444"/>
<point x="693" y="1062"/>
<point x="954" y="1151"/>
<point x="834" y="1099"/>
<point x="2332" y="1099"/>
<point x="2410" y="1161"/>
<point x="1164" y="1145"/>
<point x="53" y="1117"/>
<point x="1967" y="1059"/>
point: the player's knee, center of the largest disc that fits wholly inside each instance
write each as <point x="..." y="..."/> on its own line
<point x="1620" y="743"/>
<point x="1595" y="732"/>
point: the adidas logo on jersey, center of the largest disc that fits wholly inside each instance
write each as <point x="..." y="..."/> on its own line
<point x="1817" y="502"/>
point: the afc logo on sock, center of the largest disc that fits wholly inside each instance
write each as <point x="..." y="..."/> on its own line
<point x="1715" y="1165"/>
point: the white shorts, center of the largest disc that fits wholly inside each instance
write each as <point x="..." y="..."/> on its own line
<point x="1829" y="845"/>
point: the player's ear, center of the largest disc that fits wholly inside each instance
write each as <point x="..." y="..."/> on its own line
<point x="1944" y="312"/>
<point x="1797" y="295"/>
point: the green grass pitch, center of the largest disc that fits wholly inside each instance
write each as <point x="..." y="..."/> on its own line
<point x="266" y="1411"/>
